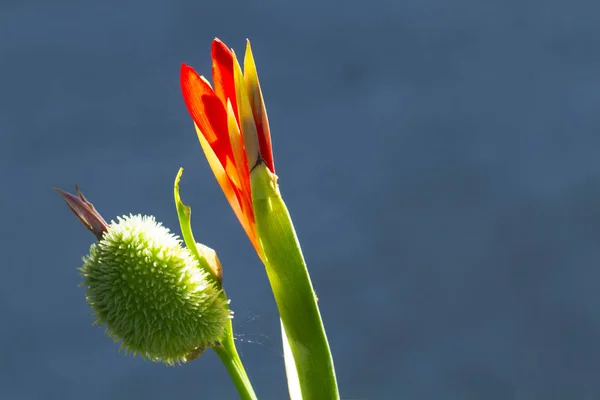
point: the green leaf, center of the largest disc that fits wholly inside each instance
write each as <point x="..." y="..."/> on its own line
<point x="204" y="254"/>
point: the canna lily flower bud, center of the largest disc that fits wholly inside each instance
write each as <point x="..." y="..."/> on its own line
<point x="232" y="126"/>
<point x="147" y="289"/>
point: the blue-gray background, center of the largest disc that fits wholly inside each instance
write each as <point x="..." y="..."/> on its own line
<point x="440" y="160"/>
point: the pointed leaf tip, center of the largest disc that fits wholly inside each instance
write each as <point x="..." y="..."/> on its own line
<point x="206" y="259"/>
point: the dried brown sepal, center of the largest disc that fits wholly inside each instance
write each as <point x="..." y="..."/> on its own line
<point x="85" y="212"/>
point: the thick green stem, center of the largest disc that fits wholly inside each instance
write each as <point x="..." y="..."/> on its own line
<point x="230" y="358"/>
<point x="292" y="289"/>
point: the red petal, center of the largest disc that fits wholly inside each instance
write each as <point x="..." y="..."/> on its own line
<point x="209" y="114"/>
<point x="222" y="70"/>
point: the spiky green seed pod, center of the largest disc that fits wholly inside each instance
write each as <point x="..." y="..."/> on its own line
<point x="151" y="294"/>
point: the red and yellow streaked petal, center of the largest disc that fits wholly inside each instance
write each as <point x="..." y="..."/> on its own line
<point x="237" y="146"/>
<point x="222" y="177"/>
<point x="258" y="108"/>
<point x="232" y="194"/>
<point x="245" y="116"/>
<point x="222" y="71"/>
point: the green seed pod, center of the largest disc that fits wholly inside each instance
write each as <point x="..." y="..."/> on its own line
<point x="151" y="294"/>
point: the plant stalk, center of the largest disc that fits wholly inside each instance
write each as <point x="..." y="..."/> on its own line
<point x="292" y="289"/>
<point x="232" y="362"/>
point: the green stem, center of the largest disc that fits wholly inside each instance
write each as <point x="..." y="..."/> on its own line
<point x="292" y="289"/>
<point x="230" y="358"/>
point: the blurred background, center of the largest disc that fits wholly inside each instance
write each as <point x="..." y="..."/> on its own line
<point x="440" y="161"/>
